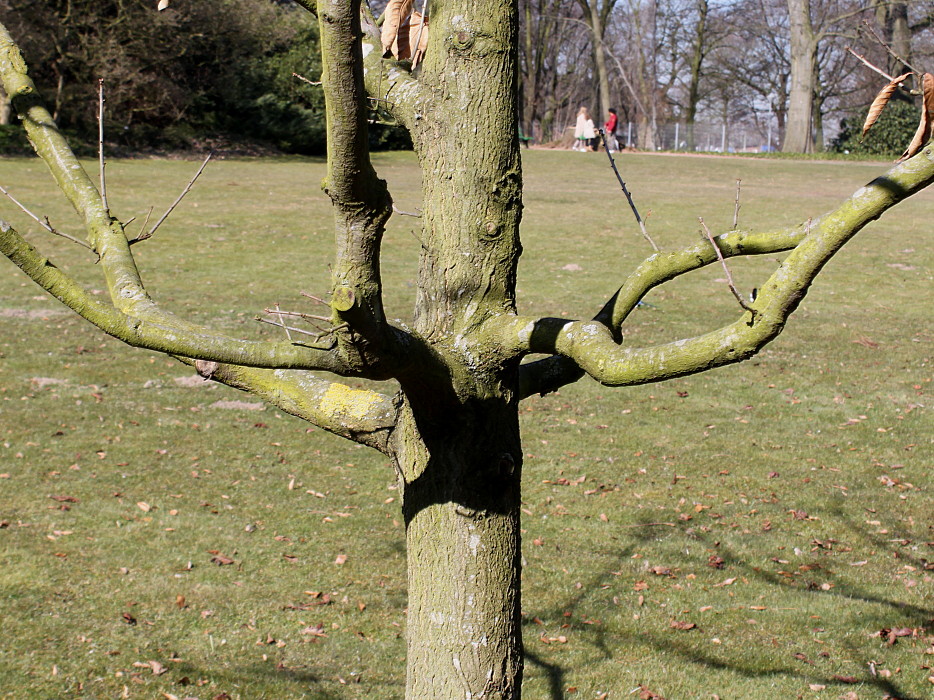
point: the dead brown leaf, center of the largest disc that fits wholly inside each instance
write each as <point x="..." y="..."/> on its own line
<point x="679" y="625"/>
<point x="220" y="559"/>
<point x="879" y="103"/>
<point x="923" y="134"/>
<point x="396" y="12"/>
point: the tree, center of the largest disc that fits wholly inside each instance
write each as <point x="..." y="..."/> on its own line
<point x="174" y="74"/>
<point x="806" y="34"/>
<point x="452" y="429"/>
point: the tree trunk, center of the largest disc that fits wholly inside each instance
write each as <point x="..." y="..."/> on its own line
<point x="457" y="448"/>
<point x="798" y="136"/>
<point x="460" y="491"/>
<point x="698" y="52"/>
<point x="599" y="59"/>
<point x="892" y="16"/>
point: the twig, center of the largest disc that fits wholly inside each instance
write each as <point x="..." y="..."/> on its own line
<point x="405" y="213"/>
<point x="649" y="525"/>
<point x="729" y="277"/>
<point x="44" y="224"/>
<point x="316" y="336"/>
<point x="632" y="205"/>
<point x="287" y="333"/>
<point x="304" y="79"/>
<point x="180" y="197"/>
<point x="736" y="205"/>
<point x="882" y="42"/>
<point x="314" y="298"/>
<point x="139" y="236"/>
<point x="870" y="65"/>
<point x="421" y="27"/>
<point x="297" y="314"/>
<point x="100" y="141"/>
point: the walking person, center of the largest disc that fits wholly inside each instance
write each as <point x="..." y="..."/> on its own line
<point x="584" y="132"/>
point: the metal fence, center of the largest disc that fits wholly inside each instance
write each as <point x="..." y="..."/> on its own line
<point x="735" y="137"/>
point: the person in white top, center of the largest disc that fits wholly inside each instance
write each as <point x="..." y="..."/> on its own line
<point x="584" y="132"/>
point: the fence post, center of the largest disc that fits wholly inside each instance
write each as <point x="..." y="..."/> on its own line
<point x="677" y="141"/>
<point x="629" y="136"/>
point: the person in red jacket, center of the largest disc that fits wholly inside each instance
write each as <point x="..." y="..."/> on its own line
<point x="609" y="128"/>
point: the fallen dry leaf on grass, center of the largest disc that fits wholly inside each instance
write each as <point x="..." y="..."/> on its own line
<point x="678" y="625"/>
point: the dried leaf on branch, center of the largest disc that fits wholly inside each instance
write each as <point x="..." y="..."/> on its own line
<point x="405" y="33"/>
<point x="879" y="103"/>
<point x="923" y="134"/>
<point x="397" y="11"/>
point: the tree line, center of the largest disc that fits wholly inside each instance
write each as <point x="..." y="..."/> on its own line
<point x="791" y="63"/>
<point x="217" y="72"/>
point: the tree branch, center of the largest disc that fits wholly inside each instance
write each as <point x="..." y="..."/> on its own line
<point x="594" y="346"/>
<point x="134" y="318"/>
<point x="162" y="331"/>
<point x="360" y="415"/>
<point x="390" y="86"/>
<point x="362" y="204"/>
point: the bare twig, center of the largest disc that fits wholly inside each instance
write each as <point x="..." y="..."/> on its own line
<point x="869" y="65"/>
<point x="649" y="525"/>
<point x="43" y="223"/>
<point x="139" y="236"/>
<point x="100" y="141"/>
<point x="306" y="80"/>
<point x="726" y="269"/>
<point x="736" y="205"/>
<point x="297" y="314"/>
<point x="884" y="44"/>
<point x="279" y="314"/>
<point x="280" y="324"/>
<point x="405" y="213"/>
<point x="180" y="197"/>
<point x="314" y="298"/>
<point x="632" y="205"/>
<point x="421" y="27"/>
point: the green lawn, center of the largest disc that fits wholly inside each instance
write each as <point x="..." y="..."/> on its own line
<point x="782" y="507"/>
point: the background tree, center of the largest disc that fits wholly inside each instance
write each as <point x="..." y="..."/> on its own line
<point x="178" y="74"/>
<point x="451" y="430"/>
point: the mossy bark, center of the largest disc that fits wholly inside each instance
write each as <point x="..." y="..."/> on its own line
<point x="456" y="441"/>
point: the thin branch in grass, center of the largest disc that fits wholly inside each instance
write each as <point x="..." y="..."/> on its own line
<point x="875" y="35"/>
<point x="405" y="213"/>
<point x="726" y="269"/>
<point x="100" y="142"/>
<point x="736" y="205"/>
<point x="619" y="178"/>
<point x="44" y="222"/>
<point x="191" y="182"/>
<point x="306" y="80"/>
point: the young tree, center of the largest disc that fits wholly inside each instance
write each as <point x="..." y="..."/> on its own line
<point x="452" y="430"/>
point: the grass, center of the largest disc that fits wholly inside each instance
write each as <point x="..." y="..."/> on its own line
<point x="804" y="470"/>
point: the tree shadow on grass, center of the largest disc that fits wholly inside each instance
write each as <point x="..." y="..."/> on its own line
<point x="893" y="612"/>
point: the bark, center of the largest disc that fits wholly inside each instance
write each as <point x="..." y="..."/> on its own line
<point x="456" y="444"/>
<point x="460" y="474"/>
<point x="698" y="53"/>
<point x="798" y="135"/>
